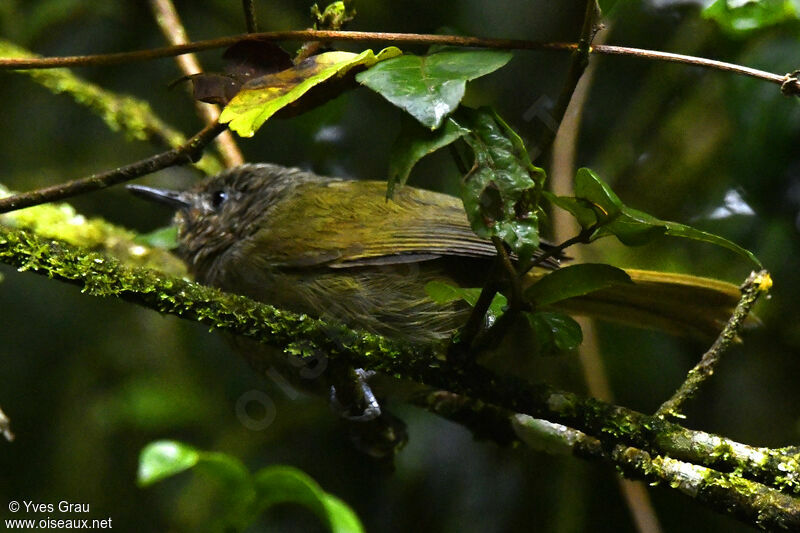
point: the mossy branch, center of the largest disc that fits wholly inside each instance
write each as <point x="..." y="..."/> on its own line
<point x="633" y="436"/>
<point x="725" y="492"/>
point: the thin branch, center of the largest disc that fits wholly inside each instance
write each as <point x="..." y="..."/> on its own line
<point x="517" y="299"/>
<point x="185" y="153"/>
<point x="578" y="64"/>
<point x="171" y="26"/>
<point x="460" y="349"/>
<point x="789" y="82"/>
<point x="250" y="16"/>
<point x="555" y="251"/>
<point x="757" y="284"/>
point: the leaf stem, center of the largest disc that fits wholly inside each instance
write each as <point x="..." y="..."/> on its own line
<point x="584" y="237"/>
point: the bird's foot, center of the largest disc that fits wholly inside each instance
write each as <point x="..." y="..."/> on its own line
<point x="364" y="399"/>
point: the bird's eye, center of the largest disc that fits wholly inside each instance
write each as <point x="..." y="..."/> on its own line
<point x="218" y="198"/>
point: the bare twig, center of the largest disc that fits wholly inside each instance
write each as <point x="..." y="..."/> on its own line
<point x="185" y="153"/>
<point x="517" y="298"/>
<point x="173" y="29"/>
<point x="578" y="64"/>
<point x="250" y="16"/>
<point x="789" y="82"/>
<point x="555" y="251"/>
<point x="757" y="283"/>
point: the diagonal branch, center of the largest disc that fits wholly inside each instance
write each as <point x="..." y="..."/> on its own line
<point x="189" y="151"/>
<point x="171" y="26"/>
<point x="756" y="285"/>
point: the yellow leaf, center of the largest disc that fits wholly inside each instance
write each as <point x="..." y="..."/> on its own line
<point x="261" y="98"/>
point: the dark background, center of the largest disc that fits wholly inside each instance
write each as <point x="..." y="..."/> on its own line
<point x="88" y="382"/>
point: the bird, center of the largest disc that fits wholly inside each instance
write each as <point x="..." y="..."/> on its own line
<point x="337" y="248"/>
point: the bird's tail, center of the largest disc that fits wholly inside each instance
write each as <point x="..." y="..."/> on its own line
<point x="677" y="303"/>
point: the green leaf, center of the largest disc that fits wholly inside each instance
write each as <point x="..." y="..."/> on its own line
<point x="431" y="87"/>
<point x="741" y="17"/>
<point x="595" y="204"/>
<point x="610" y="7"/>
<point x="162" y="459"/>
<point x="582" y="210"/>
<point x="413" y="144"/>
<point x="260" y="98"/>
<point x="633" y="218"/>
<point x="554" y="332"/>
<point x="575" y="280"/>
<point x="284" y="484"/>
<point x="605" y="202"/>
<point x="444" y="293"/>
<point x="501" y="192"/>
<point x="165" y="238"/>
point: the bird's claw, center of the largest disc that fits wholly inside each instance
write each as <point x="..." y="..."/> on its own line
<point x="371" y="408"/>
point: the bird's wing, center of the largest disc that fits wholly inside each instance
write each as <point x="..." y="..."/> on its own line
<point x="350" y="224"/>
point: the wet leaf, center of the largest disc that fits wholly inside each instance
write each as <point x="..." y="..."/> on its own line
<point x="743" y="17"/>
<point x="162" y="459"/>
<point x="413" y="144"/>
<point x="262" y="97"/>
<point x="431" y="87"/>
<point x="554" y="332"/>
<point x="501" y="192"/>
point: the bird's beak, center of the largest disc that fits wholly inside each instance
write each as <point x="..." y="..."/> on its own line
<point x="175" y="199"/>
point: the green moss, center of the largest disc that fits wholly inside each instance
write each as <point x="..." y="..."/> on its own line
<point x="61" y="221"/>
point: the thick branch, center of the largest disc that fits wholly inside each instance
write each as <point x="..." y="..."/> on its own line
<point x="613" y="425"/>
<point x="727" y="493"/>
<point x="788" y="82"/>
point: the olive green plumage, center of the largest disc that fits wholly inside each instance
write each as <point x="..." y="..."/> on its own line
<point x="337" y="248"/>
